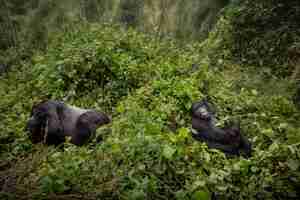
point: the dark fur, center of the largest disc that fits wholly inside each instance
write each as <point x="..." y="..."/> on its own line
<point x="297" y="96"/>
<point x="3" y="69"/>
<point x="228" y="139"/>
<point x="51" y="121"/>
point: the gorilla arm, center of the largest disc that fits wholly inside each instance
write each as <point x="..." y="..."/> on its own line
<point x="53" y="130"/>
<point x="246" y="146"/>
<point x="209" y="131"/>
<point x="206" y="136"/>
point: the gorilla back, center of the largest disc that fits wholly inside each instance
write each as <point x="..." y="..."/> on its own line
<point x="51" y="121"/>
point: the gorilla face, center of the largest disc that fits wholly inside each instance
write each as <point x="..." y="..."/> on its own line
<point x="203" y="110"/>
<point x="228" y="139"/>
<point x="36" y="125"/>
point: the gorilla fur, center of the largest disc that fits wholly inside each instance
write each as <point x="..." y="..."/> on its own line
<point x="51" y="121"/>
<point x="296" y="97"/>
<point x="228" y="139"/>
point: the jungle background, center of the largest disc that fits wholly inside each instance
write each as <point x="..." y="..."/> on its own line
<point x="144" y="62"/>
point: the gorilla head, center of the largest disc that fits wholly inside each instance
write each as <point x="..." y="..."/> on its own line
<point x="228" y="139"/>
<point x="51" y="121"/>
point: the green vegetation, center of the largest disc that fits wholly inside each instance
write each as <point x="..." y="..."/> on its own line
<point x="147" y="84"/>
<point x="36" y="20"/>
<point x="263" y="33"/>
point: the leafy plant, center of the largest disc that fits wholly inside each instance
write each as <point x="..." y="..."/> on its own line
<point x="148" y="86"/>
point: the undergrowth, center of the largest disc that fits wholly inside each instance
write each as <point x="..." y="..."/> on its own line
<point x="147" y="85"/>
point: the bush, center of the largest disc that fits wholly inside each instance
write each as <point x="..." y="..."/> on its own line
<point x="148" y="87"/>
<point x="263" y="31"/>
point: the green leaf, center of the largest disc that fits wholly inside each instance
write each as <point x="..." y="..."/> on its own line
<point x="183" y="133"/>
<point x="120" y="108"/>
<point x="274" y="146"/>
<point x="293" y="164"/>
<point x="254" y="92"/>
<point x="268" y="132"/>
<point x="168" y="152"/>
<point x="201" y="195"/>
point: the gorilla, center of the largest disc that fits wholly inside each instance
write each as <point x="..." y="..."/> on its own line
<point x="227" y="139"/>
<point x="3" y="69"/>
<point x="51" y="121"/>
<point x="296" y="97"/>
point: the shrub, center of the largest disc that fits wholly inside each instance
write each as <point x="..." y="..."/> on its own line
<point x="263" y="31"/>
<point x="149" y="86"/>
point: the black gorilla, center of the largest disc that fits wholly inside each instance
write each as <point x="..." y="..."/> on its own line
<point x="228" y="139"/>
<point x="52" y="120"/>
<point x="297" y="96"/>
<point x="3" y="69"/>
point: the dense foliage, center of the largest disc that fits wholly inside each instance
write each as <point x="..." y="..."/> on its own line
<point x="148" y="86"/>
<point x="263" y="31"/>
